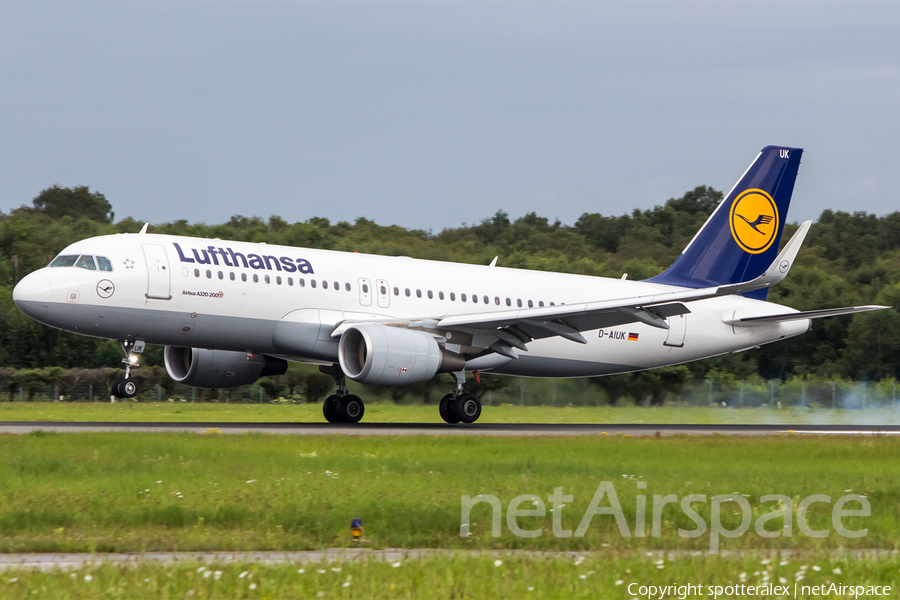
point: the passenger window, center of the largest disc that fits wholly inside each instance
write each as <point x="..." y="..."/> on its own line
<point x="475" y="298"/>
<point x="530" y="304"/>
<point x="64" y="261"/>
<point x="452" y="296"/>
<point x="551" y="304"/>
<point x="243" y="277"/>
<point x="396" y="291"/>
<point x="231" y="275"/>
<point x="290" y="281"/>
<point x="430" y="295"/>
<point x="255" y="278"/>
<point x="221" y="275"/>
<point x="365" y="287"/>
<point x="312" y="283"/>
<point x="440" y="295"/>
<point x="508" y="302"/>
<point x="406" y="291"/>
<point x="497" y="300"/>
<point x="301" y="282"/>
<point x="383" y="290"/>
<point x="337" y="286"/>
<point x="418" y="293"/>
<point x="347" y="286"/>
<point x="541" y="303"/>
<point x="208" y="274"/>
<point x="86" y="262"/>
<point x="104" y="263"/>
<point x="278" y="280"/>
<point x="324" y="284"/>
<point x="519" y="302"/>
<point x="462" y="297"/>
<point x="267" y="279"/>
<point x="196" y="272"/>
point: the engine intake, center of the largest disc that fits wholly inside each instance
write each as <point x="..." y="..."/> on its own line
<point x="379" y="355"/>
<point x="219" y="369"/>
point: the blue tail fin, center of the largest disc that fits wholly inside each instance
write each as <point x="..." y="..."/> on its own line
<point x="740" y="239"/>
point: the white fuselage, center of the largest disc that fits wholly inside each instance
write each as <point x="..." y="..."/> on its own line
<point x="289" y="304"/>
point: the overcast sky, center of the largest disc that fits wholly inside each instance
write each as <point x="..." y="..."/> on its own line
<point x="432" y="114"/>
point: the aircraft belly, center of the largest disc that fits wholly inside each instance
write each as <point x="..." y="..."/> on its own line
<point x="170" y="328"/>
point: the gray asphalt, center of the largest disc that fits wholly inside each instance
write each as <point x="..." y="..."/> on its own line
<point x="73" y="561"/>
<point x="494" y="429"/>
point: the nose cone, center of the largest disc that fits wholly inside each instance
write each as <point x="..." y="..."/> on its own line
<point x="32" y="294"/>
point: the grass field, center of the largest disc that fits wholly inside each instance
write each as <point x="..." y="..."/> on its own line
<point x="173" y="491"/>
<point x="451" y="577"/>
<point x="390" y="413"/>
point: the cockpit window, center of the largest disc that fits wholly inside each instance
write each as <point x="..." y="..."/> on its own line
<point x="104" y="263"/>
<point x="86" y="261"/>
<point x="64" y="261"/>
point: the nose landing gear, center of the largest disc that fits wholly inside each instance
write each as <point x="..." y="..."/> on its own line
<point x="127" y="388"/>
<point x="341" y="407"/>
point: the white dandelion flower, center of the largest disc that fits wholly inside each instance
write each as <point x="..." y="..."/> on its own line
<point x="336" y="570"/>
<point x="252" y="586"/>
<point x="301" y="570"/>
<point x="817" y="568"/>
<point x="206" y="574"/>
<point x="782" y="580"/>
<point x="498" y="562"/>
<point x="217" y="575"/>
<point x="531" y="589"/>
<point x="346" y="584"/>
<point x="242" y="575"/>
<point x="396" y="564"/>
<point x="88" y="578"/>
<point x="837" y="571"/>
<point x="579" y="560"/>
<point x="619" y="582"/>
<point x="250" y="480"/>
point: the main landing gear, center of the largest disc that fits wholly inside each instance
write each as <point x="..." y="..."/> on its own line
<point x="460" y="406"/>
<point x="341" y="407"/>
<point x="127" y="388"/>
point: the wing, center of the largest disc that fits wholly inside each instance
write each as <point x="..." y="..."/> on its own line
<point x="505" y="331"/>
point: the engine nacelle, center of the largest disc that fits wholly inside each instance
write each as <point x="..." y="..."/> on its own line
<point x="379" y="355"/>
<point x="219" y="368"/>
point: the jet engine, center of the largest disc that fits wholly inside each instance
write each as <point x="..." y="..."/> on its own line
<point x="219" y="368"/>
<point x="379" y="355"/>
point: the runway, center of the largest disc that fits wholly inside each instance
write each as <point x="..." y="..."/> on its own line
<point x="492" y="429"/>
<point x="75" y="561"/>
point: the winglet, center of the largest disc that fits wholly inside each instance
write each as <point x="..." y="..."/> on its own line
<point x="144" y="228"/>
<point x="777" y="271"/>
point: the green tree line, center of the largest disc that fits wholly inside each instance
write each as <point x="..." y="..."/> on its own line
<point x="848" y="259"/>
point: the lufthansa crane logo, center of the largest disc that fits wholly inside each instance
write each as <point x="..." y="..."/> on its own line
<point x="754" y="220"/>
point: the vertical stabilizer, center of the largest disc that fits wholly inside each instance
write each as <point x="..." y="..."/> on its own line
<point x="740" y="239"/>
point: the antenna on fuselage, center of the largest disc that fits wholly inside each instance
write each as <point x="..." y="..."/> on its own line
<point x="494" y="262"/>
<point x="144" y="228"/>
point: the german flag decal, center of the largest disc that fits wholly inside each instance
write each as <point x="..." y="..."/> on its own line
<point x="632" y="337"/>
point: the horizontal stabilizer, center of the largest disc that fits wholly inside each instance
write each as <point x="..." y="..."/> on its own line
<point x="809" y="314"/>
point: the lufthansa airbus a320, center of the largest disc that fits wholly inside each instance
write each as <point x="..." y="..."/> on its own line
<point x="231" y="312"/>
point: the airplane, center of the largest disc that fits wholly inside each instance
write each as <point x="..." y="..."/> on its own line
<point x="231" y="312"/>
